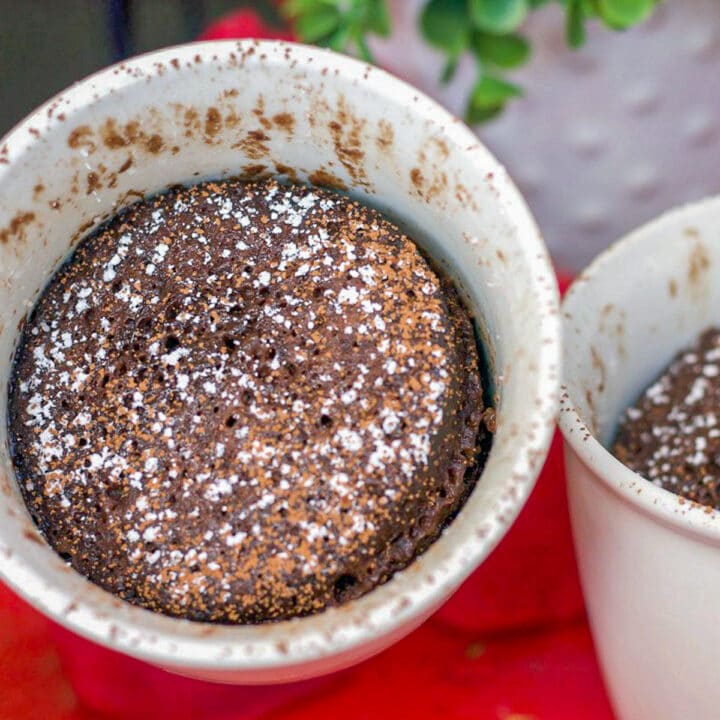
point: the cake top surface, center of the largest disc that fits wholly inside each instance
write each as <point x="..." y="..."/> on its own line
<point x="671" y="435"/>
<point x="233" y="393"/>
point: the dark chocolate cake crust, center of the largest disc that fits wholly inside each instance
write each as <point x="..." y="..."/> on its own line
<point x="671" y="435"/>
<point x="243" y="402"/>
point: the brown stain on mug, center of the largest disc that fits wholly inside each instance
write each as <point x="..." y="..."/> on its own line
<point x="259" y="112"/>
<point x="213" y="122"/>
<point x="17" y="227"/>
<point x="254" y="171"/>
<point x="417" y="179"/>
<point x="285" y="122"/>
<point x="232" y="119"/>
<point x="437" y="186"/>
<point x="286" y="170"/>
<point x="442" y="147"/>
<point x="191" y="121"/>
<point x="346" y="132"/>
<point x="599" y="365"/>
<point x="462" y="194"/>
<point x="93" y="183"/>
<point x="33" y="536"/>
<point x="154" y="144"/>
<point x="698" y="264"/>
<point x="82" y="137"/>
<point x="254" y="144"/>
<point x="432" y="159"/>
<point x="385" y="136"/>
<point x="130" y="134"/>
<point x="111" y="136"/>
<point x="126" y="165"/>
<point x="323" y="178"/>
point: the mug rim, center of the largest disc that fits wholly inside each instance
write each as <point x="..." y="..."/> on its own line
<point x="195" y="651"/>
<point x="663" y="505"/>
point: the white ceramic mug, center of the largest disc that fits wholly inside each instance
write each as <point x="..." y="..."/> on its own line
<point x="212" y="110"/>
<point x="649" y="561"/>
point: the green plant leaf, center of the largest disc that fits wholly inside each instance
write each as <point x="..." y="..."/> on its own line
<point x="444" y="25"/>
<point x="318" y="24"/>
<point x="339" y="39"/>
<point x="449" y="70"/>
<point x="294" y="8"/>
<point x="624" y="13"/>
<point x="485" y="27"/>
<point x="363" y="48"/>
<point x="488" y="98"/>
<point x="492" y="92"/>
<point x="575" y="24"/>
<point x="497" y="16"/>
<point x="378" y="18"/>
<point x="475" y="116"/>
<point x="505" y="51"/>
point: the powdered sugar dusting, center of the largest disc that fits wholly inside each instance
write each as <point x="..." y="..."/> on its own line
<point x="671" y="435"/>
<point x="230" y="389"/>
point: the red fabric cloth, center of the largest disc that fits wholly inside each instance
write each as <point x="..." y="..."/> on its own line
<point x="457" y="666"/>
<point x="48" y="674"/>
<point x="244" y="23"/>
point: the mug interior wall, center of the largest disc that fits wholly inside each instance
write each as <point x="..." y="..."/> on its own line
<point x="643" y="302"/>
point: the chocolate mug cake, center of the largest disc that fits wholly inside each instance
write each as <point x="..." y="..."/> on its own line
<point x="671" y="434"/>
<point x="246" y="402"/>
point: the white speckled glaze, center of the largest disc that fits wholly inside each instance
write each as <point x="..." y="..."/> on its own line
<point x="649" y="561"/>
<point x="64" y="169"/>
